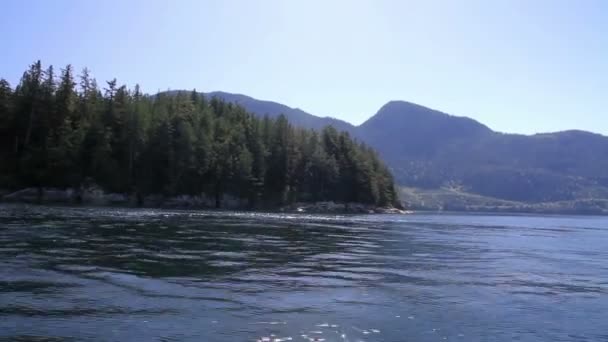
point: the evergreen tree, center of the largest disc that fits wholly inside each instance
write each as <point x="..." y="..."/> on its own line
<point x="7" y="134"/>
<point x="54" y="133"/>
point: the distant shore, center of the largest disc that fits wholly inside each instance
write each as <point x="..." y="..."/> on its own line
<point x="450" y="200"/>
<point x="527" y="210"/>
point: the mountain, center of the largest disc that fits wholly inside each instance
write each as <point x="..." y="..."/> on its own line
<point x="429" y="150"/>
<point x="403" y="130"/>
<point x="296" y="116"/>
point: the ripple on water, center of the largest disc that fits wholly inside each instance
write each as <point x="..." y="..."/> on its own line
<point x="210" y="276"/>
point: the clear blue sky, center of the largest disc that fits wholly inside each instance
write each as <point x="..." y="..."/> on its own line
<point x="516" y="65"/>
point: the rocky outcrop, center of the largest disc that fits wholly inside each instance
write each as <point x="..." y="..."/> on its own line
<point x="195" y="202"/>
<point x="393" y="211"/>
<point x="27" y="195"/>
<point x="42" y="195"/>
<point x="181" y="201"/>
<point x="92" y="196"/>
<point x="340" y="208"/>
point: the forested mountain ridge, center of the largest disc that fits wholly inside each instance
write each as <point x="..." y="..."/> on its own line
<point x="429" y="150"/>
<point x="68" y="132"/>
<point x="296" y="116"/>
<point x="261" y="108"/>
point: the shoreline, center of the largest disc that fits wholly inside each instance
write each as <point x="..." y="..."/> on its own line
<point x="278" y="210"/>
<point x="284" y="210"/>
<point x="97" y="198"/>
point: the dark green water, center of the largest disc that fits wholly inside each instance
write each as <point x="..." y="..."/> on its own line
<point x="153" y="275"/>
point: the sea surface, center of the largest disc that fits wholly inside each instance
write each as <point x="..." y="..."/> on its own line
<point x="83" y="274"/>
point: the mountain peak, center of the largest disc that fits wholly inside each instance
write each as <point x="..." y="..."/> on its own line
<point x="403" y="113"/>
<point x="414" y="110"/>
<point x="400" y="104"/>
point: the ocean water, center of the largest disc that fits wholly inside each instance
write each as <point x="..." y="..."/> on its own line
<point x="83" y="274"/>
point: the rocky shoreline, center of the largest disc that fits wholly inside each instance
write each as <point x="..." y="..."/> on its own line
<point x="95" y="196"/>
<point x="333" y="207"/>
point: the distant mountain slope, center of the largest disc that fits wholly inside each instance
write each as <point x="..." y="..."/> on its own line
<point x="431" y="149"/>
<point x="428" y="149"/>
<point x="296" y="116"/>
<point x="401" y="129"/>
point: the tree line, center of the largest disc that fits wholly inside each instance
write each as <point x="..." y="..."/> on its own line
<point x="65" y="131"/>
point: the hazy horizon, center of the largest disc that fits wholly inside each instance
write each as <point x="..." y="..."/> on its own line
<point x="515" y="66"/>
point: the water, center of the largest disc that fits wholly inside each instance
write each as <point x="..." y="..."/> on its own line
<point x="152" y="275"/>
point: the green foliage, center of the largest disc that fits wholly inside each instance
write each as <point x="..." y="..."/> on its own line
<point x="66" y="133"/>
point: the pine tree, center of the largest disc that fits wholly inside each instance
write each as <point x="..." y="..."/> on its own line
<point x="54" y="133"/>
<point x="7" y="136"/>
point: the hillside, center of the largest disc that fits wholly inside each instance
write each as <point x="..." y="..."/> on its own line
<point x="296" y="116"/>
<point x="60" y="142"/>
<point x="430" y="150"/>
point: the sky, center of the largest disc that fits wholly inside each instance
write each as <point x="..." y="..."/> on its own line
<point x="518" y="66"/>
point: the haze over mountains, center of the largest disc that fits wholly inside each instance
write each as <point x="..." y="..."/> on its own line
<point x="452" y="162"/>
